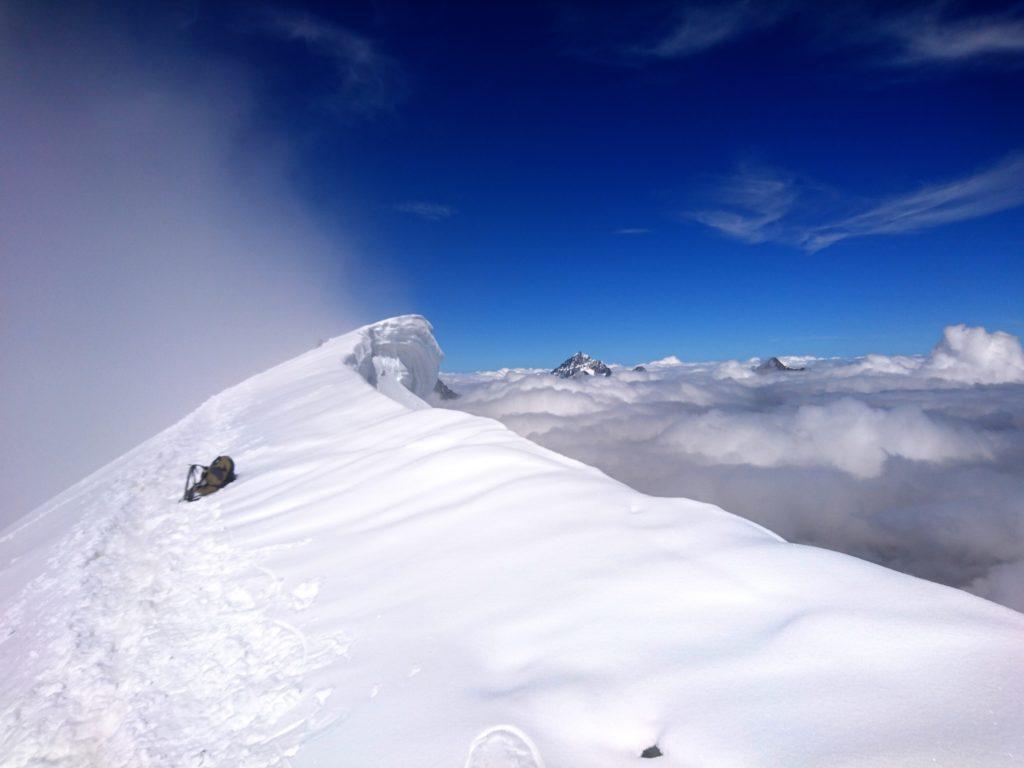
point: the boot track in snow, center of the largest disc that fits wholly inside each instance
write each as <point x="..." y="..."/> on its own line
<point x="159" y="643"/>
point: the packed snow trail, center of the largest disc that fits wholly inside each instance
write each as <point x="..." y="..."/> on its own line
<point x="385" y="582"/>
<point x="150" y="641"/>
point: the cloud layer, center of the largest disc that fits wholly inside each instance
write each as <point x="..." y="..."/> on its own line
<point x="913" y="462"/>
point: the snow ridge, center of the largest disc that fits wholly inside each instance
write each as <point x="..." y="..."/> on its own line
<point x="394" y="580"/>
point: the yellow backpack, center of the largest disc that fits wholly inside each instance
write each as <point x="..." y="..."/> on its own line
<point x="202" y="480"/>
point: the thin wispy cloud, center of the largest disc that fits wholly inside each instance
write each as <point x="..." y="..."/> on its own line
<point x="931" y="36"/>
<point x="700" y="27"/>
<point x="425" y="210"/>
<point x="631" y="231"/>
<point x="367" y="81"/>
<point x="931" y="33"/>
<point x="757" y="202"/>
<point x="763" y="207"/>
<point x="997" y="189"/>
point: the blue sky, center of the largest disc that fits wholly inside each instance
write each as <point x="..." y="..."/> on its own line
<point x="716" y="180"/>
<point x="711" y="181"/>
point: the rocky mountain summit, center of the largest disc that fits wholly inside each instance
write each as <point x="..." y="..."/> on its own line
<point x="445" y="392"/>
<point x="773" y="364"/>
<point x="581" y="363"/>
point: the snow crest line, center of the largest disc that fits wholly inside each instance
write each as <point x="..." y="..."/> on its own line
<point x="154" y="642"/>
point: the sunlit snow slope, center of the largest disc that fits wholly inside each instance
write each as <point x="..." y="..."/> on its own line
<point x="384" y="581"/>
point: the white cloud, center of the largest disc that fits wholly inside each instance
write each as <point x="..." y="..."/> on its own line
<point x="846" y="434"/>
<point x="973" y="355"/>
<point x="913" y="462"/>
<point x="734" y="369"/>
<point x="766" y="207"/>
<point x="425" y="210"/>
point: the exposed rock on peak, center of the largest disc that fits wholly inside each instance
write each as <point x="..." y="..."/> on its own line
<point x="581" y="363"/>
<point x="445" y="392"/>
<point x="773" y="364"/>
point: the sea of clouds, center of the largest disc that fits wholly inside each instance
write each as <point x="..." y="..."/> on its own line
<point x="916" y="463"/>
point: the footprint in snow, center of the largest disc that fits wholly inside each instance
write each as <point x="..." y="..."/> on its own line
<point x="503" y="746"/>
<point x="304" y="595"/>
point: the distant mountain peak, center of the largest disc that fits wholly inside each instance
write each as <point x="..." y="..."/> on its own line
<point x="774" y="364"/>
<point x="581" y="363"/>
<point x="445" y="392"/>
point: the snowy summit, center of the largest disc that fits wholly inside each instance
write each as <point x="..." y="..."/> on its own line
<point x="581" y="363"/>
<point x="385" y="584"/>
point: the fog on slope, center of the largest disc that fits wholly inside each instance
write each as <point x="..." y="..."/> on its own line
<point x="151" y="249"/>
<point x="916" y="463"/>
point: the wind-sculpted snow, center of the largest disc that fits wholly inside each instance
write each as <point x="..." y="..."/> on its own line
<point x="387" y="585"/>
<point x="912" y="462"/>
<point x="402" y="350"/>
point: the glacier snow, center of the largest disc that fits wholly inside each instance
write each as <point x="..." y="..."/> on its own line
<point x="385" y="582"/>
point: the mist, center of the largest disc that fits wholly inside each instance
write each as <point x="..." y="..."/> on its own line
<point x="915" y="463"/>
<point x="153" y="249"/>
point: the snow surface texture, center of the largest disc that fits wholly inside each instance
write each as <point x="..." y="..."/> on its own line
<point x="383" y="585"/>
<point x="503" y="746"/>
<point x="916" y="463"/>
